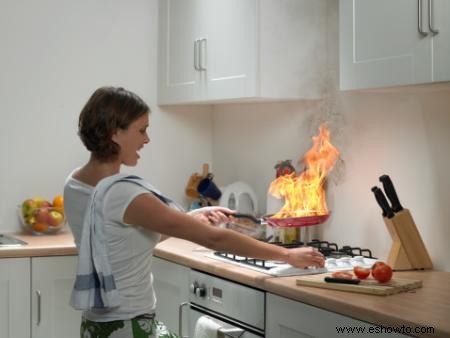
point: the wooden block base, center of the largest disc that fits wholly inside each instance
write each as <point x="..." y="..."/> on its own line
<point x="408" y="250"/>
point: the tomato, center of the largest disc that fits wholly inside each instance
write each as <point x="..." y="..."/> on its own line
<point x="361" y="272"/>
<point x="381" y="272"/>
<point x="342" y="274"/>
<point x="377" y="263"/>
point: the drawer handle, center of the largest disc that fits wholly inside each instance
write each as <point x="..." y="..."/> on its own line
<point x="180" y="319"/>
<point x="38" y="299"/>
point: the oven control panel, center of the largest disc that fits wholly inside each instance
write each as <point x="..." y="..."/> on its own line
<point x="228" y="298"/>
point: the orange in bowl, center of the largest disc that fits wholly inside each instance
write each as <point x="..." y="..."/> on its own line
<point x="58" y="203"/>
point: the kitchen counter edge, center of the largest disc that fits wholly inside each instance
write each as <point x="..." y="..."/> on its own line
<point x="58" y="244"/>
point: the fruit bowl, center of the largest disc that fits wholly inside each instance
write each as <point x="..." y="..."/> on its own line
<point x="42" y="220"/>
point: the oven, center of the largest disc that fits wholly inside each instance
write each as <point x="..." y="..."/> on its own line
<point x="238" y="311"/>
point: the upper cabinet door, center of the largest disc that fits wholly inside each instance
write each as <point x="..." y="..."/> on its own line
<point x="230" y="48"/>
<point x="180" y="25"/>
<point x="380" y="43"/>
<point x="441" y="41"/>
<point x="215" y="51"/>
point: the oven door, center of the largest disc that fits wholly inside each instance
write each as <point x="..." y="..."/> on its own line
<point x="228" y="327"/>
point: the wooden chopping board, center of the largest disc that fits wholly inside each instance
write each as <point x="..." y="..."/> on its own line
<point x="369" y="286"/>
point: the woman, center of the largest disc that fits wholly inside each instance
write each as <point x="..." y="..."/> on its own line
<point x="118" y="219"/>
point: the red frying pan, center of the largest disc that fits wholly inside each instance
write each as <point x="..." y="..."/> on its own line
<point x="295" y="222"/>
<point x="285" y="222"/>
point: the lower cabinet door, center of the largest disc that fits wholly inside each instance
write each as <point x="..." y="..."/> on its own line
<point x="52" y="281"/>
<point x="15" y="297"/>
<point x="286" y="318"/>
<point x="171" y="283"/>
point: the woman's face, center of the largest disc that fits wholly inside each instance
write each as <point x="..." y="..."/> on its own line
<point x="131" y="140"/>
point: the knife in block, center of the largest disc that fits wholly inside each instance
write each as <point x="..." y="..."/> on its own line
<point x="406" y="242"/>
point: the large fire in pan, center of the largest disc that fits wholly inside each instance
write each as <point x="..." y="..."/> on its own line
<point x="304" y="193"/>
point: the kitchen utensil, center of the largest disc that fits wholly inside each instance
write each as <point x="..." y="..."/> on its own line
<point x="194" y="180"/>
<point x="248" y="225"/>
<point x="382" y="202"/>
<point x="389" y="189"/>
<point x="207" y="188"/>
<point x="249" y="217"/>
<point x="285" y="222"/>
<point x="301" y="221"/>
<point x="341" y="280"/>
<point x="191" y="186"/>
<point x="408" y="250"/>
<point x="369" y="286"/>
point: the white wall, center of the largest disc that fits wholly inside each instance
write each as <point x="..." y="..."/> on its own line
<point x="53" y="55"/>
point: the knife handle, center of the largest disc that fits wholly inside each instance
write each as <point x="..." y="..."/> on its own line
<point x="389" y="189"/>
<point x="382" y="202"/>
<point x="342" y="280"/>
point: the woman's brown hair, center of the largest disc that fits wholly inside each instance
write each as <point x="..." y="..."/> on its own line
<point x="108" y="109"/>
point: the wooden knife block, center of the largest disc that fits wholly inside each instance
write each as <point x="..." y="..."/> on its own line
<point x="408" y="251"/>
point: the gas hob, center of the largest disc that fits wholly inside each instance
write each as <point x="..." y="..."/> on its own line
<point x="337" y="259"/>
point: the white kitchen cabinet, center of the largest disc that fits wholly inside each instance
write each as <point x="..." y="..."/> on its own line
<point x="171" y="283"/>
<point x="14" y="297"/>
<point x="241" y="50"/>
<point x="52" y="281"/>
<point x="380" y="43"/>
<point x="286" y="318"/>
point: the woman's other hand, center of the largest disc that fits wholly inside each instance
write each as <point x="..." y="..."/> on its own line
<point x="305" y="257"/>
<point x="212" y="215"/>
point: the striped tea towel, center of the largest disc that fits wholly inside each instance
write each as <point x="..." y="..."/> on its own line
<point x="94" y="287"/>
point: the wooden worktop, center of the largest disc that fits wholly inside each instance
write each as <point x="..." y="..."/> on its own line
<point x="428" y="306"/>
<point x="58" y="244"/>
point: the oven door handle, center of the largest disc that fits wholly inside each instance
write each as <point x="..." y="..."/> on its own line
<point x="232" y="332"/>
<point x="180" y="319"/>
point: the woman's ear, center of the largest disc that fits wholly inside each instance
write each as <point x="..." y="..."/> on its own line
<point x="116" y="136"/>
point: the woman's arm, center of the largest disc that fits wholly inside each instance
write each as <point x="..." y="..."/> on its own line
<point x="147" y="211"/>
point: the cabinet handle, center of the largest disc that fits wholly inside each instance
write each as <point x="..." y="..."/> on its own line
<point x="430" y="18"/>
<point x="196" y="43"/>
<point x="419" y="19"/>
<point x="180" y="319"/>
<point x="38" y="298"/>
<point x="202" y="51"/>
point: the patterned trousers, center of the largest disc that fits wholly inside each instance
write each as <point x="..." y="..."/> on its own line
<point x="145" y="326"/>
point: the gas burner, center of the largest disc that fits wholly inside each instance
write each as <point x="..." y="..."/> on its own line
<point x="261" y="263"/>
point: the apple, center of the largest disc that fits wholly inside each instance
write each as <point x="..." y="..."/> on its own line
<point x="28" y="207"/>
<point x="55" y="218"/>
<point x="46" y="204"/>
<point x="41" y="215"/>
<point x="41" y="202"/>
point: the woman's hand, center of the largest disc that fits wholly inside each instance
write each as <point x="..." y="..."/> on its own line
<point x="212" y="215"/>
<point x="305" y="257"/>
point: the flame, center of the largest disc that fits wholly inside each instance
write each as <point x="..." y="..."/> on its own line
<point x="304" y="194"/>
